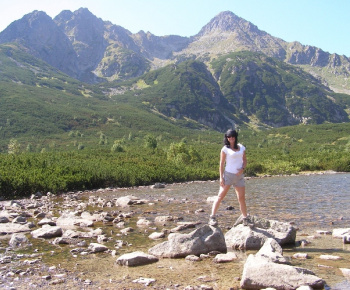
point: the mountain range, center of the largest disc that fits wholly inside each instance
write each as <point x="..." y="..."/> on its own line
<point x="92" y="50"/>
<point x="230" y="72"/>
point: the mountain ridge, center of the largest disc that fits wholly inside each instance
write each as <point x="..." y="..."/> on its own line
<point x="91" y="51"/>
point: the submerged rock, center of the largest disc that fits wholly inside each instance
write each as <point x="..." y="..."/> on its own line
<point x="97" y="248"/>
<point x="137" y="258"/>
<point x="200" y="241"/>
<point x="225" y="258"/>
<point x="156" y="236"/>
<point x="125" y="201"/>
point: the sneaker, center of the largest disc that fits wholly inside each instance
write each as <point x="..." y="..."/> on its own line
<point x="247" y="222"/>
<point x="238" y="221"/>
<point x="213" y="221"/>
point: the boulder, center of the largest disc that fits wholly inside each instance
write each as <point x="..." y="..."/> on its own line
<point x="330" y="257"/>
<point x="340" y="233"/>
<point x="137" y="258"/>
<point x="97" y="248"/>
<point x="193" y="258"/>
<point x="261" y="272"/>
<point x="47" y="232"/>
<point x="273" y="252"/>
<point x="164" y="219"/>
<point x="20" y="220"/>
<point x="68" y="241"/>
<point x="18" y="240"/>
<point x="4" y="220"/>
<point x="128" y="200"/>
<point x="70" y="220"/>
<point x="46" y="221"/>
<point x="346" y="272"/>
<point x="158" y="185"/>
<point x="225" y="258"/>
<point x="184" y="226"/>
<point x="200" y="241"/>
<point x="143" y="222"/>
<point x="10" y="228"/>
<point x="156" y="236"/>
<point x="247" y="238"/>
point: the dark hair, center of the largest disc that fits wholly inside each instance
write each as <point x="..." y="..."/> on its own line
<point x="231" y="133"/>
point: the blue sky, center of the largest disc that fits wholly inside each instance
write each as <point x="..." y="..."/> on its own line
<point x="321" y="23"/>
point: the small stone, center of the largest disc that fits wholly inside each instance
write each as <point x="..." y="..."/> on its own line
<point x="330" y="257"/>
<point x="301" y="256"/>
<point x="193" y="258"/>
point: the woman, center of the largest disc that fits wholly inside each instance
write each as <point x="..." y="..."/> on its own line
<point x="233" y="161"/>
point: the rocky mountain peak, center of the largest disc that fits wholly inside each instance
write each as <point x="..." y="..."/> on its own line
<point x="24" y="27"/>
<point x="86" y="33"/>
<point x="226" y="21"/>
<point x="39" y="34"/>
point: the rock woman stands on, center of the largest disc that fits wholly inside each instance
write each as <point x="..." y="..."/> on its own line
<point x="232" y="164"/>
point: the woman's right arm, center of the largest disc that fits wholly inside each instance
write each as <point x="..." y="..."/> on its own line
<point x="222" y="167"/>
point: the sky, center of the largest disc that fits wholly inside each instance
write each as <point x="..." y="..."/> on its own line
<point x="321" y="23"/>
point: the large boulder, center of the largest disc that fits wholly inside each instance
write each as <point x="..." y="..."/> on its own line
<point x="200" y="241"/>
<point x="263" y="270"/>
<point x="247" y="238"/>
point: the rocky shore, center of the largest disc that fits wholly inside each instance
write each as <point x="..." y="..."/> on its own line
<point x="106" y="240"/>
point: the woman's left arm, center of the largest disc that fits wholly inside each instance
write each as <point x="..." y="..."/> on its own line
<point x="244" y="165"/>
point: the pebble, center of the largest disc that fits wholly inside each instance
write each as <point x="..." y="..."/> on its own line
<point x="330" y="257"/>
<point x="301" y="256"/>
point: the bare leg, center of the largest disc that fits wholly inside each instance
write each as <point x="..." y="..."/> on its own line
<point x="240" y="191"/>
<point x="221" y="195"/>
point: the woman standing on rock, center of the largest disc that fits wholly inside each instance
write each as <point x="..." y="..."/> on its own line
<point x="232" y="164"/>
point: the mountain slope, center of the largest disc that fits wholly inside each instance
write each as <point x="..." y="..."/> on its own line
<point x="92" y="50"/>
<point x="181" y="92"/>
<point x="242" y="88"/>
<point x="39" y="35"/>
<point x="275" y="93"/>
<point x="40" y="105"/>
<point x="227" y="33"/>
